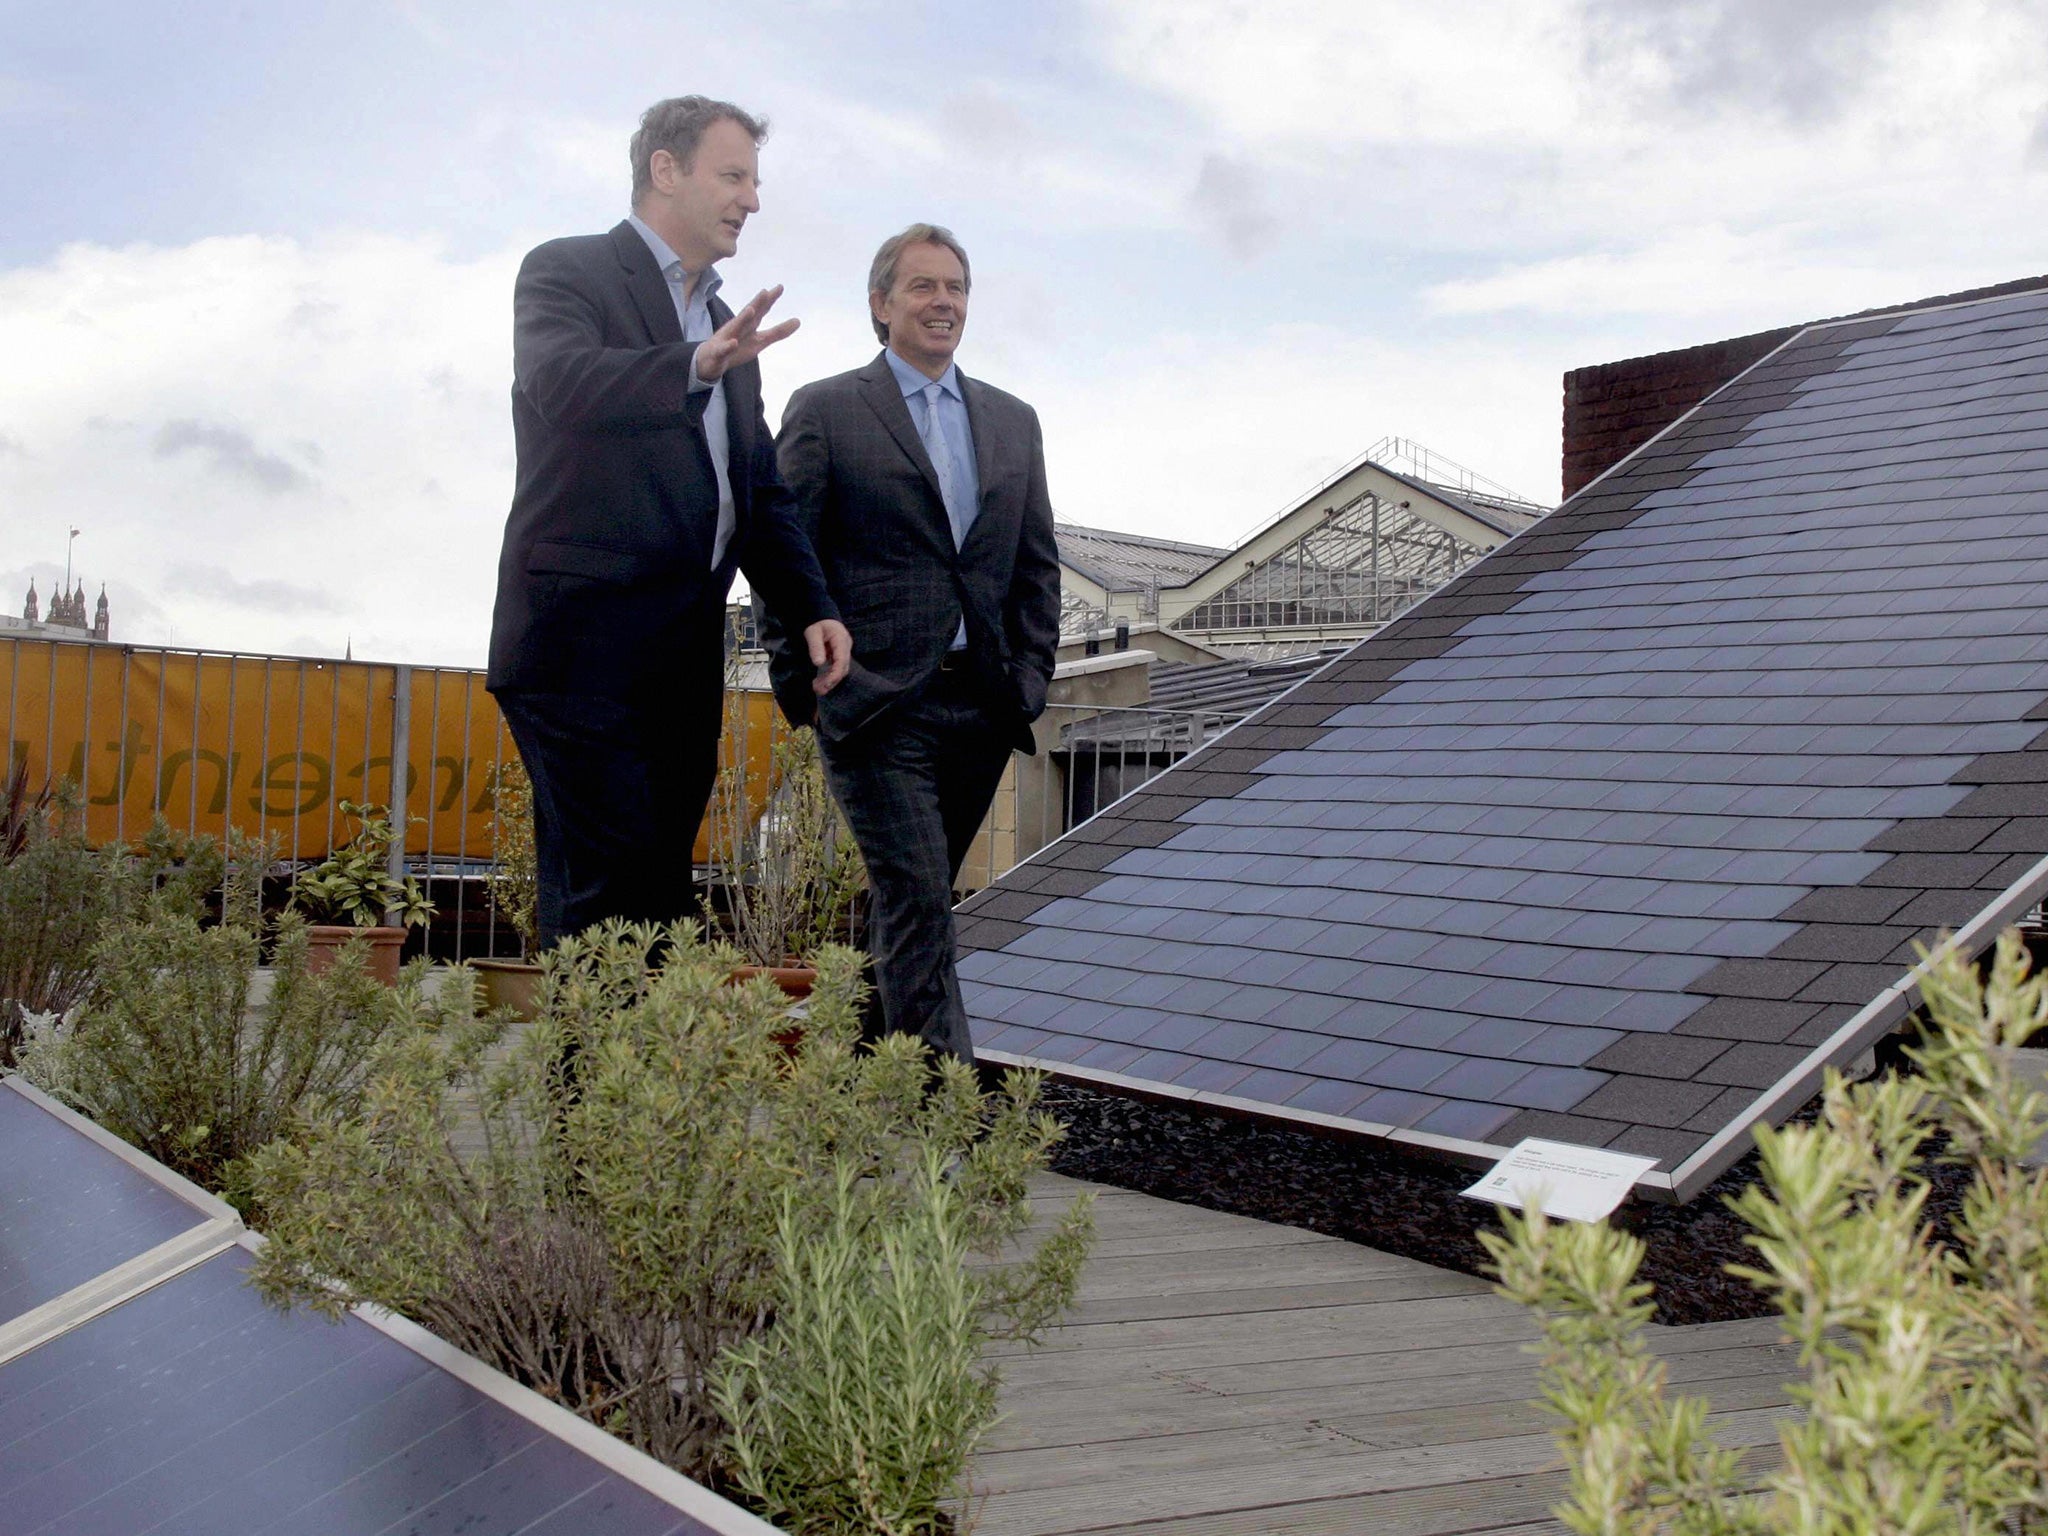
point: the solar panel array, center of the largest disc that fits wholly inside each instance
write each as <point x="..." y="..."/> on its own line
<point x="1620" y="835"/>
<point x="155" y="1392"/>
<point x="71" y="1209"/>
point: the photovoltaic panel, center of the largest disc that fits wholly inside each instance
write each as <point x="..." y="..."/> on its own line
<point x="194" y="1409"/>
<point x="1622" y="835"/>
<point x="144" y="1387"/>
<point x="76" y="1207"/>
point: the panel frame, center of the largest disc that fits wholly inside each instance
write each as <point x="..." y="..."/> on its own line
<point x="218" y="1227"/>
<point x="690" y="1498"/>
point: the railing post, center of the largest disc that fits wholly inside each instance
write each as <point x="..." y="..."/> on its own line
<point x="401" y="774"/>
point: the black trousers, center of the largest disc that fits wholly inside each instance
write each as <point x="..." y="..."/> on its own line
<point x="915" y="786"/>
<point x="619" y="790"/>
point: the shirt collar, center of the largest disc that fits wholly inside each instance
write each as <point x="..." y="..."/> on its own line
<point x="671" y="264"/>
<point x="912" y="382"/>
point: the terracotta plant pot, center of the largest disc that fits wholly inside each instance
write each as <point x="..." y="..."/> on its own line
<point x="510" y="984"/>
<point x="325" y="941"/>
<point x="795" y="981"/>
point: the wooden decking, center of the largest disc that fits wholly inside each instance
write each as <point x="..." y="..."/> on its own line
<point x="1222" y="1376"/>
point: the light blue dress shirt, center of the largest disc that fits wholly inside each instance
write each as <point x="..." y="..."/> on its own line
<point x="694" y="313"/>
<point x="961" y="489"/>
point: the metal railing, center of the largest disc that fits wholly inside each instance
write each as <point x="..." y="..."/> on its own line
<point x="272" y="745"/>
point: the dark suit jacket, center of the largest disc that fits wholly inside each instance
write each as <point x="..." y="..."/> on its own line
<point x="869" y="499"/>
<point x="605" y="583"/>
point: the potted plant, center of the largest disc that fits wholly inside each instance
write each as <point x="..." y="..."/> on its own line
<point x="348" y="894"/>
<point x="791" y="872"/>
<point x="515" y="893"/>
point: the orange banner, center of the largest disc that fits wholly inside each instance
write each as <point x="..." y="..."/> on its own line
<point x="271" y="744"/>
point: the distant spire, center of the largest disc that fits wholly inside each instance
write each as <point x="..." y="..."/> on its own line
<point x="30" y="608"/>
<point x="101" y="623"/>
<point x="348" y="649"/>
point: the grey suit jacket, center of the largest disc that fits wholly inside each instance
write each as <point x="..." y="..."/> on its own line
<point x="869" y="500"/>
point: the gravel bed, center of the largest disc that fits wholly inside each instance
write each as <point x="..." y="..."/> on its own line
<point x="1369" y="1193"/>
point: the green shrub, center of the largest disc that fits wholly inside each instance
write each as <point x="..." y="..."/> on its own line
<point x="515" y="880"/>
<point x="1925" y="1394"/>
<point x="610" y="1206"/>
<point x="858" y="1408"/>
<point x="57" y="892"/>
<point x="185" y="1051"/>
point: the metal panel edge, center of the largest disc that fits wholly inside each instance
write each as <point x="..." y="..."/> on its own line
<point x="110" y="1288"/>
<point x="1456" y="1149"/>
<point x="210" y="1206"/>
<point x="607" y="1450"/>
<point x="1869" y="1024"/>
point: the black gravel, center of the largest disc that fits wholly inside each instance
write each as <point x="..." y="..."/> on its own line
<point x="1369" y="1193"/>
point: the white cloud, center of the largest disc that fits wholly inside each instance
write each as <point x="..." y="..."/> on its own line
<point x="253" y="432"/>
<point x="1355" y="71"/>
<point x="1166" y="437"/>
<point x="1712" y="279"/>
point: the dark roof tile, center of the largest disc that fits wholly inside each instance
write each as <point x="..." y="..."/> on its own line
<point x="1669" y="1147"/>
<point x="1647" y="1101"/>
<point x="1676" y="1055"/>
<point x="1751" y="1065"/>
<point x="1744" y="1018"/>
<point x="1780" y="979"/>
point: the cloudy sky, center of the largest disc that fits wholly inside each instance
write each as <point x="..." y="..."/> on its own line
<point x="256" y="261"/>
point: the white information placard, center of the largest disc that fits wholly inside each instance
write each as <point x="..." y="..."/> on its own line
<point x="1577" y="1183"/>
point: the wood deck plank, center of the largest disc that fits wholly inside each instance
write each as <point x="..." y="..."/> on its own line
<point x="1222" y="1376"/>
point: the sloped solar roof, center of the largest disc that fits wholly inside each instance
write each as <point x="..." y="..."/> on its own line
<point x="1624" y="833"/>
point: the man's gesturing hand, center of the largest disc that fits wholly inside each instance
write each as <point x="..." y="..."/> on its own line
<point x="741" y="339"/>
<point x="831" y="653"/>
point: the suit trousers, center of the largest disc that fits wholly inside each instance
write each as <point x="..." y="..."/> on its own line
<point x="619" y="791"/>
<point x="915" y="786"/>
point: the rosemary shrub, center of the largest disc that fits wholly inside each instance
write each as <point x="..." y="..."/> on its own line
<point x="184" y="1049"/>
<point x="1925" y="1391"/>
<point x="610" y="1206"/>
<point x="58" y="893"/>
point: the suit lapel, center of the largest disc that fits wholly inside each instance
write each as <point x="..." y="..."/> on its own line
<point x="884" y="396"/>
<point x="984" y="433"/>
<point x="646" y="284"/>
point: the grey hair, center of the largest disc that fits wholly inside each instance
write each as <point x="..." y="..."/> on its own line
<point x="677" y="125"/>
<point x="882" y="274"/>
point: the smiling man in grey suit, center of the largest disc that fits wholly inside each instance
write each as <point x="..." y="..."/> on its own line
<point x="923" y="492"/>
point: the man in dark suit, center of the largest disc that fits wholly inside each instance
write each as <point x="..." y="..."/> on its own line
<point x="923" y="492"/>
<point x="646" y="477"/>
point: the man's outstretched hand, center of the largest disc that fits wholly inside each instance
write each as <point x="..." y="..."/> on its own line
<point x="741" y="339"/>
<point x="831" y="654"/>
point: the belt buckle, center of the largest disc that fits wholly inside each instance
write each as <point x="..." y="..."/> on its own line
<point x="954" y="661"/>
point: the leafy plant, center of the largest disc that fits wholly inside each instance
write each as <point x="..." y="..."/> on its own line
<point x="792" y="870"/>
<point x="609" y="1206"/>
<point x="1926" y="1366"/>
<point x="858" y="1408"/>
<point x="58" y="892"/>
<point x="353" y="886"/>
<point x="515" y="884"/>
<point x="186" y="1051"/>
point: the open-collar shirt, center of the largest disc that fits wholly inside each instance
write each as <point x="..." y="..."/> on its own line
<point x="693" y="312"/>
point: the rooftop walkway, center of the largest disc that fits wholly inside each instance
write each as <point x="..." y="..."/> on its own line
<point x="1223" y="1377"/>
